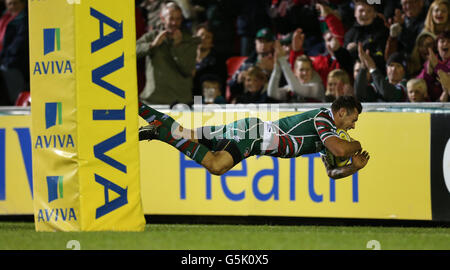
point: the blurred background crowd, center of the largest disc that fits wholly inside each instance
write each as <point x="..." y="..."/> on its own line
<point x="269" y="51"/>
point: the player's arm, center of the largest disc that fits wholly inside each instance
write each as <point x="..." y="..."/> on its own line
<point x="342" y="148"/>
<point x="359" y="161"/>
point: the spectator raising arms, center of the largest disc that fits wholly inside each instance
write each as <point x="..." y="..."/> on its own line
<point x="305" y="85"/>
<point x="407" y="24"/>
<point x="390" y="89"/>
<point x="434" y="64"/>
<point x="368" y="29"/>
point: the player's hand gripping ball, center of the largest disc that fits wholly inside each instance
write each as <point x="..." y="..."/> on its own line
<point x="337" y="161"/>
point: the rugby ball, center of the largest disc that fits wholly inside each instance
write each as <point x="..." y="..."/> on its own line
<point x="340" y="162"/>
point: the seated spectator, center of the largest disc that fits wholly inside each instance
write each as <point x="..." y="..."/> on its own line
<point x="304" y="84"/>
<point x="338" y="84"/>
<point x="14" y="56"/>
<point x="434" y="64"/>
<point x="207" y="61"/>
<point x="390" y="89"/>
<point x="437" y="20"/>
<point x="419" y="54"/>
<point x="262" y="56"/>
<point x="255" y="87"/>
<point x="368" y="29"/>
<point x="212" y="89"/>
<point x="417" y="90"/>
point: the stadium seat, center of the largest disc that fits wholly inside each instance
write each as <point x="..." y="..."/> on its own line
<point x="24" y="99"/>
<point x="233" y="64"/>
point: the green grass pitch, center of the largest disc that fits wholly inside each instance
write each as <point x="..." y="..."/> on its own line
<point x="22" y="236"/>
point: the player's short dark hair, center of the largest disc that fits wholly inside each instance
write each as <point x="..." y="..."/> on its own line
<point x="348" y="102"/>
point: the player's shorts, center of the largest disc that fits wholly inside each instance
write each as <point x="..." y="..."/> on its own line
<point x="247" y="133"/>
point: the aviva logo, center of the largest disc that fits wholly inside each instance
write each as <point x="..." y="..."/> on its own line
<point x="55" y="188"/>
<point x="53" y="114"/>
<point x="52" y="43"/>
<point x="53" y="117"/>
<point x="52" y="40"/>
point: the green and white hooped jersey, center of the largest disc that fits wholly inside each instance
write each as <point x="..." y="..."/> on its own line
<point x="299" y="134"/>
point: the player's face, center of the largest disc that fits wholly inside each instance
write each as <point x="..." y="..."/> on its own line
<point x="347" y="119"/>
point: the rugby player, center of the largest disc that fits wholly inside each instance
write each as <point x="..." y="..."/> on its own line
<point x="220" y="148"/>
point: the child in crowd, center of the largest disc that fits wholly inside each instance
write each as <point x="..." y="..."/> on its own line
<point x="254" y="87"/>
<point x="211" y="88"/>
<point x="417" y="90"/>
<point x="338" y="84"/>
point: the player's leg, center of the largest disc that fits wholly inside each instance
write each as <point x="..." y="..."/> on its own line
<point x="225" y="156"/>
<point x="164" y="128"/>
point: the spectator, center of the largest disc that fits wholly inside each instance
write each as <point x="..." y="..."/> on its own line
<point x="305" y="85"/>
<point x="212" y="89"/>
<point x="419" y="54"/>
<point x="407" y="24"/>
<point x="368" y="29"/>
<point x="390" y="89"/>
<point x="437" y="20"/>
<point x="262" y="56"/>
<point x="255" y="87"/>
<point x="434" y="64"/>
<point x="14" y="56"/>
<point x="336" y="57"/>
<point x="364" y="89"/>
<point x="172" y="52"/>
<point x="417" y="90"/>
<point x="338" y="85"/>
<point x="207" y="61"/>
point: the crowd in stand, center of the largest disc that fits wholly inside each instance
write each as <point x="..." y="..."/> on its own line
<point x="278" y="51"/>
<point x="294" y="50"/>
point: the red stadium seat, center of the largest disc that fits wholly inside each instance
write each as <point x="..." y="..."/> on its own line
<point x="233" y="64"/>
<point x="24" y="99"/>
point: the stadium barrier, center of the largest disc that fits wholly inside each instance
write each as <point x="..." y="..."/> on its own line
<point x="84" y="129"/>
<point x="407" y="177"/>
